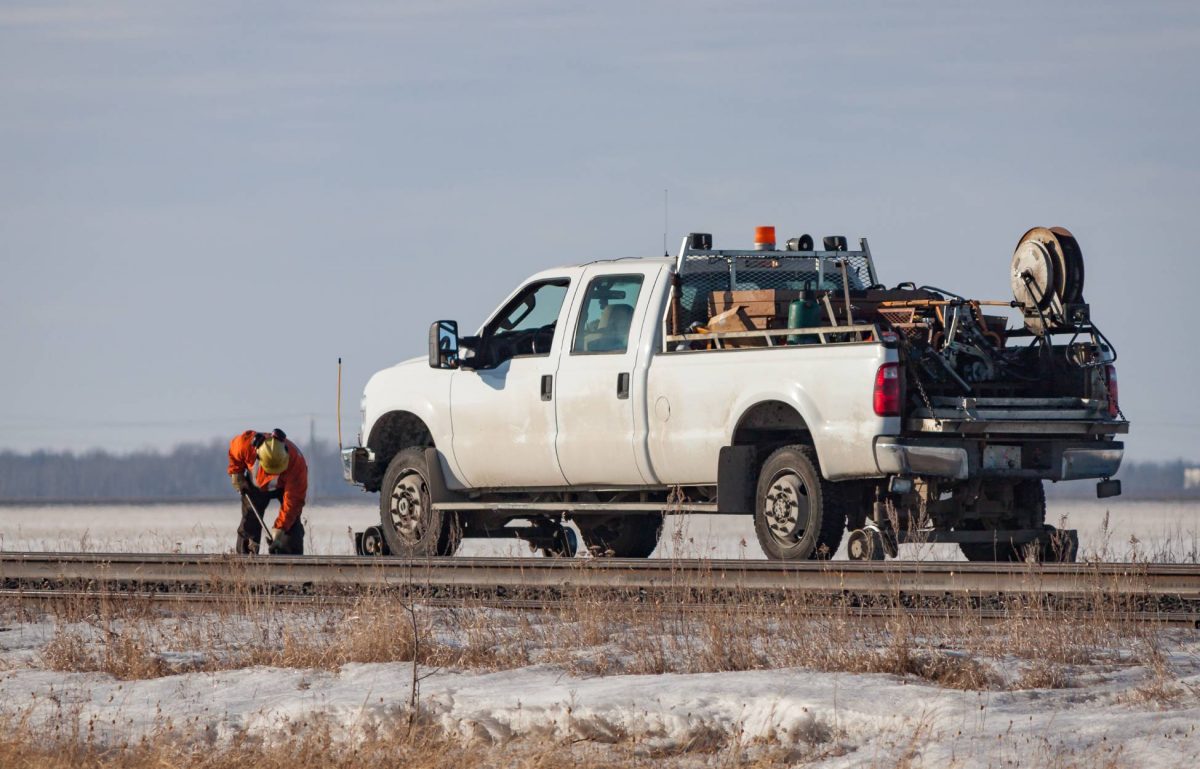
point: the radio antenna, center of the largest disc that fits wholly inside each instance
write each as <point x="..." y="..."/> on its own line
<point x="666" y="220"/>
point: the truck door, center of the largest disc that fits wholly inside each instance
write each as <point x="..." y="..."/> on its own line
<point x="503" y="414"/>
<point x="599" y="388"/>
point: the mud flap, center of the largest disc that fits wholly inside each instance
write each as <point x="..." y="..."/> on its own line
<point x="437" y="479"/>
<point x="736" y="479"/>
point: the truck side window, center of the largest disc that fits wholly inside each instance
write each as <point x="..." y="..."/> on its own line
<point x="526" y="324"/>
<point x="607" y="314"/>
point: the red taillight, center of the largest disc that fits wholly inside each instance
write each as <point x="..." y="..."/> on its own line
<point x="887" y="390"/>
<point x="1114" y="406"/>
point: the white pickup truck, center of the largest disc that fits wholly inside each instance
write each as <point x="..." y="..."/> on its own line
<point x="783" y="383"/>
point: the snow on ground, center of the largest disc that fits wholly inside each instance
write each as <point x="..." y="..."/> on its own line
<point x="1113" y="715"/>
<point x="1173" y="527"/>
<point x="836" y="720"/>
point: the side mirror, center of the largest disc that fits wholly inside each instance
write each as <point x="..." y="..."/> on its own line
<point x="443" y="344"/>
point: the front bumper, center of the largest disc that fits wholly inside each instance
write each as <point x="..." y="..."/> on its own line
<point x="358" y="465"/>
<point x="959" y="459"/>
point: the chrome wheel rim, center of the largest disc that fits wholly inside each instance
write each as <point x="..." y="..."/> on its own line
<point x="786" y="507"/>
<point x="407" y="507"/>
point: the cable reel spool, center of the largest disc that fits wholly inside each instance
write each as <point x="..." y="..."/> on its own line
<point x="1047" y="277"/>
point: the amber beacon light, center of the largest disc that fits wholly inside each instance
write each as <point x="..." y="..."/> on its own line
<point x="764" y="238"/>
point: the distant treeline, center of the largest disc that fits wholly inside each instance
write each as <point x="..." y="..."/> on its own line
<point x="197" y="471"/>
<point x="189" y="472"/>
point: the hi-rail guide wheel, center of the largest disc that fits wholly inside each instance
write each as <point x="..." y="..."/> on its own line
<point x="371" y="542"/>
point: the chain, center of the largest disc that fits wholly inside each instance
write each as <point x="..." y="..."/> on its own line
<point x="916" y="376"/>
<point x="924" y="396"/>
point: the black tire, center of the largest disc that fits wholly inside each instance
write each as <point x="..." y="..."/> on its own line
<point x="1029" y="512"/>
<point x="1059" y="546"/>
<point x="621" y="536"/>
<point x="797" y="513"/>
<point x="411" y="527"/>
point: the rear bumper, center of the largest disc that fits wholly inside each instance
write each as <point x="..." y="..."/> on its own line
<point x="959" y="459"/>
<point x="896" y="457"/>
<point x="1091" y="462"/>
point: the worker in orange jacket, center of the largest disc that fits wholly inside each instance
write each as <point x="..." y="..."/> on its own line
<point x="262" y="467"/>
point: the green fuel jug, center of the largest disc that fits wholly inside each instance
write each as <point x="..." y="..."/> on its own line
<point x="804" y="313"/>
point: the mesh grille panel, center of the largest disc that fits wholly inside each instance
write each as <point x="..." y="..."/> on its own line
<point x="702" y="275"/>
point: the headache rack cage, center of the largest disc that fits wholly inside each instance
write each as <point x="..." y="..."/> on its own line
<point x="700" y="272"/>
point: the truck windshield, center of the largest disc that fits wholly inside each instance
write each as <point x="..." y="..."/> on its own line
<point x="537" y="306"/>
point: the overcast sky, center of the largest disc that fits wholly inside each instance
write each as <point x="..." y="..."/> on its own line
<point x="202" y="205"/>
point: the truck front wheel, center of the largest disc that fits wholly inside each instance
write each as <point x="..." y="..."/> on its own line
<point x="410" y="525"/>
<point x="796" y="516"/>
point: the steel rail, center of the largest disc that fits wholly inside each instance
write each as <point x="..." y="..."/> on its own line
<point x="948" y="578"/>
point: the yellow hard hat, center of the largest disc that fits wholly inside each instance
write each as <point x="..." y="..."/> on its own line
<point x="273" y="456"/>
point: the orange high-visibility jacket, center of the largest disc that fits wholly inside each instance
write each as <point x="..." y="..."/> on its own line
<point x="293" y="482"/>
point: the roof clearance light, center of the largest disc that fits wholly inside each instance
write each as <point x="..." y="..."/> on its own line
<point x="764" y="238"/>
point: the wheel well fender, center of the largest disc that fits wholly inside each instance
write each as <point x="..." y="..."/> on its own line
<point x="771" y="422"/>
<point x="397" y="430"/>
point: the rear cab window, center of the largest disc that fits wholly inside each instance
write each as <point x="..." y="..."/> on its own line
<point x="606" y="314"/>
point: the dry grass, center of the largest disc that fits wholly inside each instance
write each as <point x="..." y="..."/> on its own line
<point x="127" y="653"/>
<point x="597" y="633"/>
<point x="1044" y="674"/>
<point x="133" y="645"/>
<point x="71" y="745"/>
<point x="589" y="633"/>
<point x="69" y="742"/>
<point x="314" y="748"/>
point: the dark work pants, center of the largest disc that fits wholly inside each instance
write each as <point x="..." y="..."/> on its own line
<point x="249" y="534"/>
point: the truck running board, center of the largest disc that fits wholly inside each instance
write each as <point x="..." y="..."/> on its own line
<point x="581" y="507"/>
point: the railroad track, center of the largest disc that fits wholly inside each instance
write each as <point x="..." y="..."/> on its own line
<point x="1150" y="591"/>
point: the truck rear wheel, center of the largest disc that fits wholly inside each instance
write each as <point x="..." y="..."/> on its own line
<point x="411" y="527"/>
<point x="621" y="536"/>
<point x="796" y="514"/>
<point x="1029" y="512"/>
